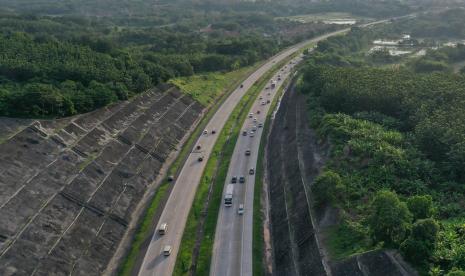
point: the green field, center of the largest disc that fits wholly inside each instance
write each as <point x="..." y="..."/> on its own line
<point x="206" y="88"/>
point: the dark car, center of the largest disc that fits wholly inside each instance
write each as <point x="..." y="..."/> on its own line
<point x="200" y="159"/>
<point x="247" y="152"/>
<point x="252" y="171"/>
<point x="241" y="179"/>
<point x="234" y="179"/>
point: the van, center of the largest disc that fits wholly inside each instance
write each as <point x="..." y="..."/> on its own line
<point x="167" y="250"/>
<point x="163" y="228"/>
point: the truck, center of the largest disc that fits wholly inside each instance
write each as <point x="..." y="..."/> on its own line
<point x="228" y="195"/>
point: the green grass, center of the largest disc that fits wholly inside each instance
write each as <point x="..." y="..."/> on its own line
<point x="230" y="80"/>
<point x="206" y="88"/>
<point x="144" y="228"/>
<point x="345" y="240"/>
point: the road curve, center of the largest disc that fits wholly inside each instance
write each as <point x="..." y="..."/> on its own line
<point x="180" y="200"/>
<point x="232" y="252"/>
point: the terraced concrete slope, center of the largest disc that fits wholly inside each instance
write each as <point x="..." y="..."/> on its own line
<point x="68" y="188"/>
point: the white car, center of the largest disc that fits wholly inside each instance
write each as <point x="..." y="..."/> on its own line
<point x="163" y="229"/>
<point x="252" y="133"/>
<point x="205" y="132"/>
<point x="263" y="103"/>
<point x="255" y="119"/>
<point x="240" y="210"/>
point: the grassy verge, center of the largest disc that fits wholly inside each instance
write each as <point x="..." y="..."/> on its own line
<point x="258" y="239"/>
<point x="215" y="175"/>
<point x="205" y="88"/>
<point x="144" y="228"/>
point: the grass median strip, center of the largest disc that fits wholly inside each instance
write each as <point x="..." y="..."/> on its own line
<point x="213" y="178"/>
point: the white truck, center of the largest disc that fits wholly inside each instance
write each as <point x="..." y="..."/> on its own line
<point x="228" y="195"/>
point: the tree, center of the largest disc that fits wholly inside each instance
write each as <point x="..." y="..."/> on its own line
<point x="325" y="186"/>
<point x="390" y="219"/>
<point x="421" y="207"/>
<point x="419" y="246"/>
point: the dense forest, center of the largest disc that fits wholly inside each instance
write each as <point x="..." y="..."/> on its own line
<point x="61" y="58"/>
<point x="397" y="153"/>
<point x="60" y="66"/>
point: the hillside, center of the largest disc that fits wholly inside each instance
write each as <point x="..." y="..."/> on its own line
<point x="76" y="186"/>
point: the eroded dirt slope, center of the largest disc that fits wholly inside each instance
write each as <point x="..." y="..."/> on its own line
<point x="295" y="158"/>
<point x="68" y="189"/>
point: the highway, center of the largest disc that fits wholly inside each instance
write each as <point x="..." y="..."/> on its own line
<point x="180" y="201"/>
<point x="232" y="252"/>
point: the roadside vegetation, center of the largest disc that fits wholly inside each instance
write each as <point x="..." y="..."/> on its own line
<point x="395" y="170"/>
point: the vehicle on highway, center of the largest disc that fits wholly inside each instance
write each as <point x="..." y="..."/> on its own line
<point x="205" y="132"/>
<point x="267" y="101"/>
<point x="255" y="119"/>
<point x="199" y="146"/>
<point x="241" y="179"/>
<point x="163" y="229"/>
<point x="252" y="171"/>
<point x="242" y="85"/>
<point x="254" y="128"/>
<point x="260" y="124"/>
<point x="244" y="133"/>
<point x="213" y="131"/>
<point x="252" y="133"/>
<point x="260" y="97"/>
<point x="247" y="152"/>
<point x="263" y="102"/>
<point x="250" y="114"/>
<point x="228" y="195"/>
<point x="273" y="84"/>
<point x="258" y="111"/>
<point x="234" y="179"/>
<point x="268" y="93"/>
<point x="240" y="210"/>
<point x="167" y="250"/>
<point x="200" y="159"/>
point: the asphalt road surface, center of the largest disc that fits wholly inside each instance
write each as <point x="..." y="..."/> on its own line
<point x="232" y="252"/>
<point x="180" y="201"/>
